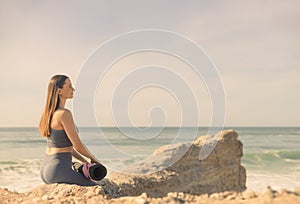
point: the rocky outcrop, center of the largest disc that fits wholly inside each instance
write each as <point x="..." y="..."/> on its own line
<point x="177" y="168"/>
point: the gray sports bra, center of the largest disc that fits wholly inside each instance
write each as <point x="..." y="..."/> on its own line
<point x="58" y="139"/>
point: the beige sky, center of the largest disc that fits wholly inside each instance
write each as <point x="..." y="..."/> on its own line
<point x="254" y="44"/>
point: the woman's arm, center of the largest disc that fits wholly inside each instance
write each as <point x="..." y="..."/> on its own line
<point x="78" y="156"/>
<point x="68" y="124"/>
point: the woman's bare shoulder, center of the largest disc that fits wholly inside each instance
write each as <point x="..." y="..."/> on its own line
<point x="62" y="112"/>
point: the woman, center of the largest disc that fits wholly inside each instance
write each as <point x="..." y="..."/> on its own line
<point x="58" y="127"/>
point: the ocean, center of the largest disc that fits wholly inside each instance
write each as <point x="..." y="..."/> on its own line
<point x="271" y="154"/>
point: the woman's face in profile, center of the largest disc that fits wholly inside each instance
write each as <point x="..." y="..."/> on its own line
<point x="67" y="89"/>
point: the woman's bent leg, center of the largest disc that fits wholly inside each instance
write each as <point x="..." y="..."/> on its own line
<point x="57" y="168"/>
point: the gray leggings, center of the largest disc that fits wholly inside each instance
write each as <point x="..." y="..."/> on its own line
<point x="57" y="168"/>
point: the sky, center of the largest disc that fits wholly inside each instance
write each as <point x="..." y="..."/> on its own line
<point x="254" y="46"/>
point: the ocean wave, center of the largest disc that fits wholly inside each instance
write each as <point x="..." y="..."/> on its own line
<point x="20" y="175"/>
<point x="278" y="162"/>
<point x="21" y="166"/>
<point x="273" y="155"/>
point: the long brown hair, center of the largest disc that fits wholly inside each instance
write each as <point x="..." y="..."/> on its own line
<point x="52" y="103"/>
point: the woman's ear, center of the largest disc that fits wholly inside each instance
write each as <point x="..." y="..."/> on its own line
<point x="59" y="91"/>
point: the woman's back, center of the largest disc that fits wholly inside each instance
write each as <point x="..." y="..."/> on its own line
<point x="56" y="119"/>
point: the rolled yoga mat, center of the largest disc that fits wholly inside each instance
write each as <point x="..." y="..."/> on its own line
<point x="94" y="171"/>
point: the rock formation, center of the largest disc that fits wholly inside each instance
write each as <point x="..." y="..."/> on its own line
<point x="177" y="168"/>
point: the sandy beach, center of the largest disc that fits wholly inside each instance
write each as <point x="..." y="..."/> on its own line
<point x="173" y="174"/>
<point x="63" y="193"/>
